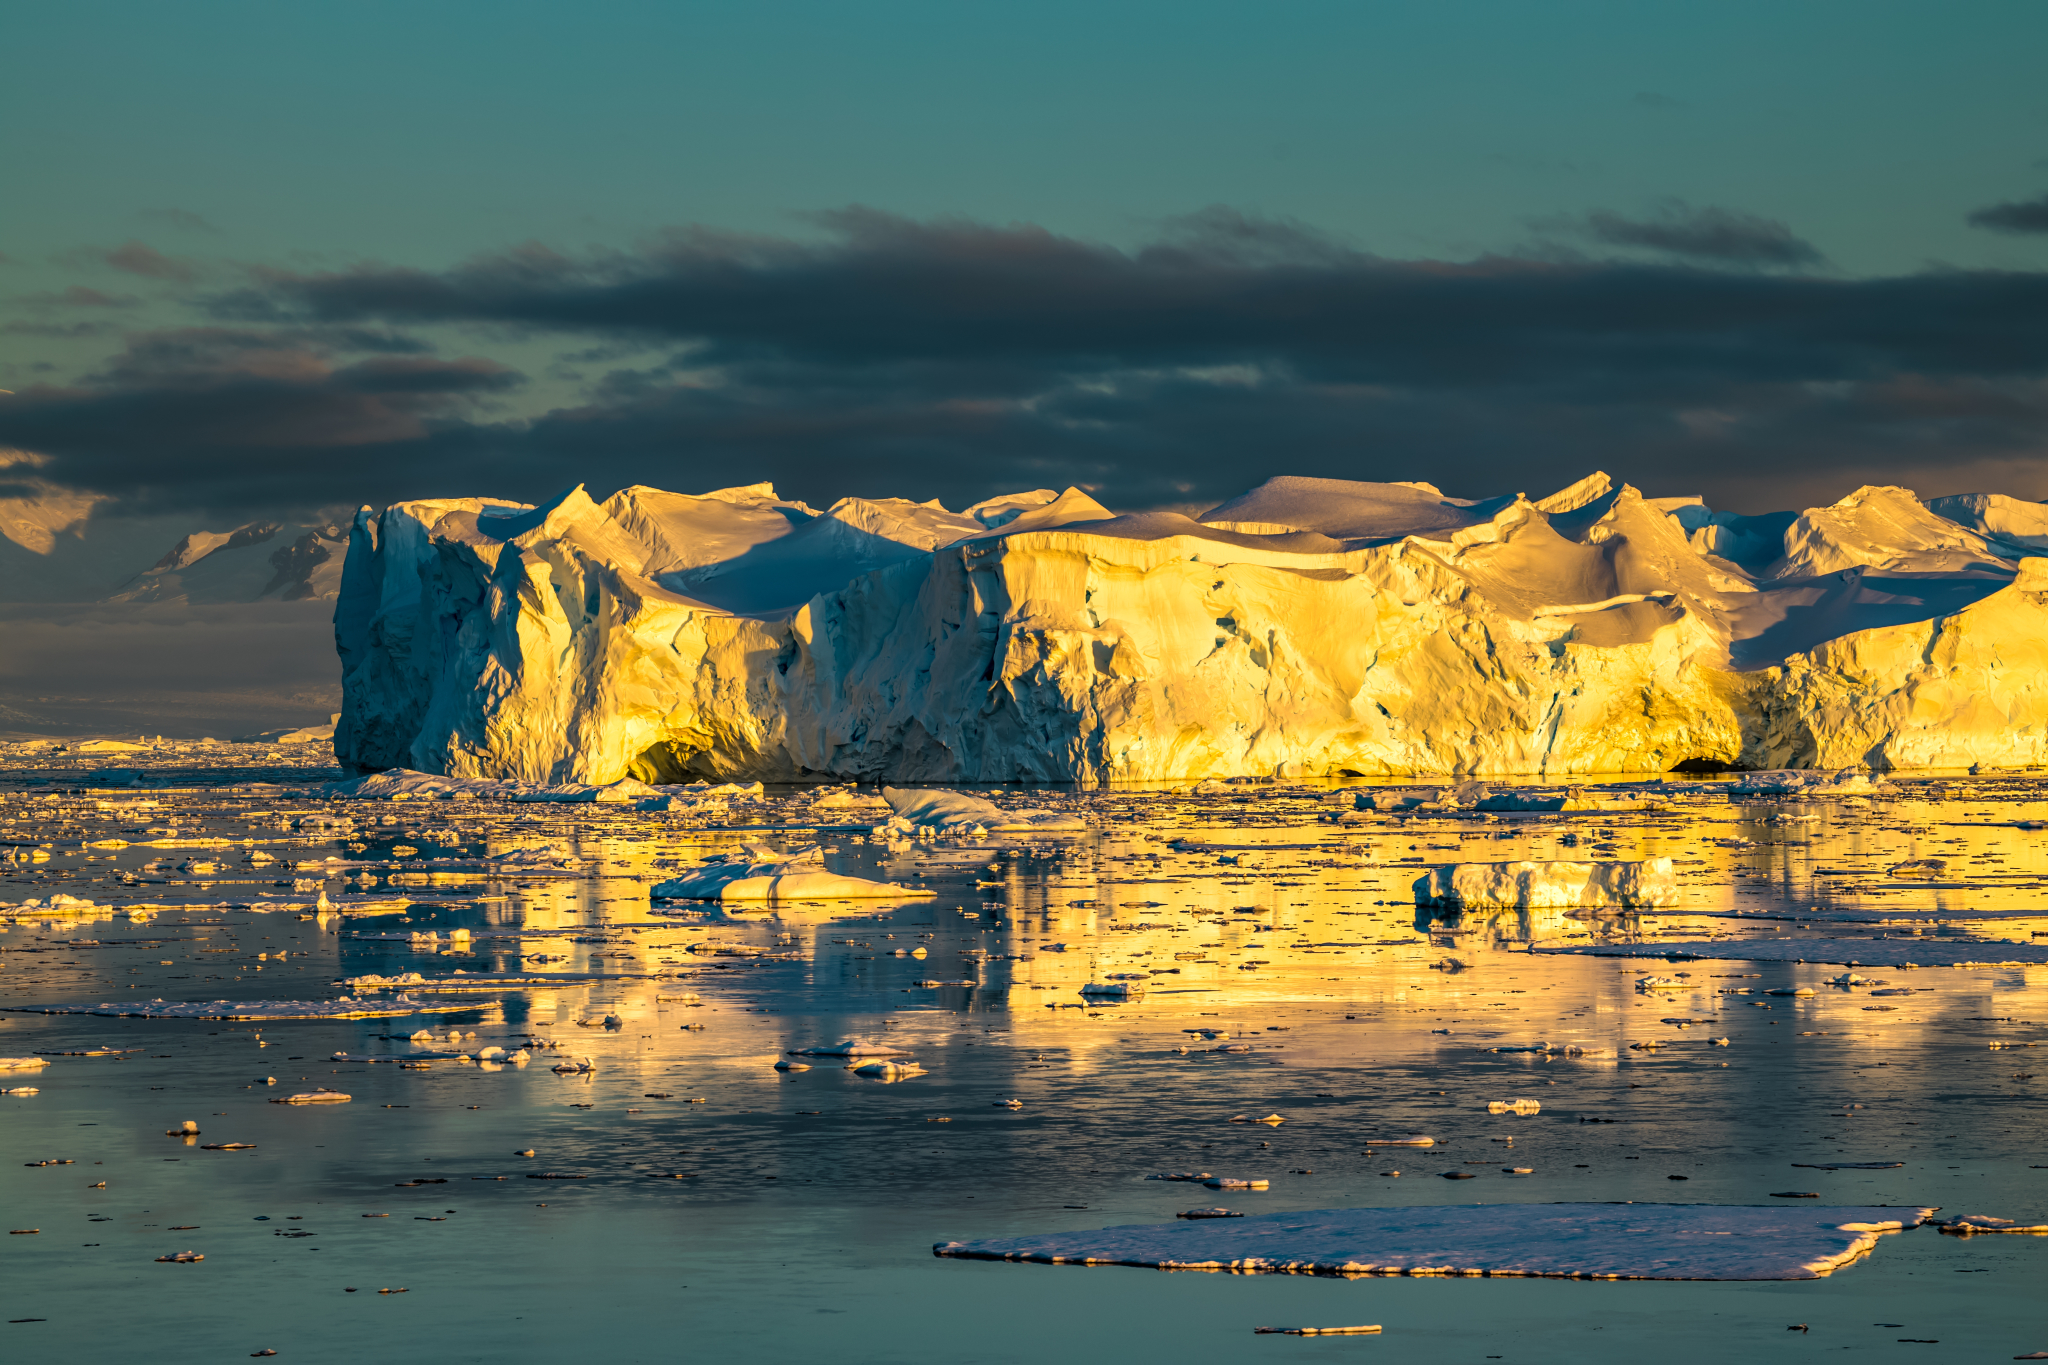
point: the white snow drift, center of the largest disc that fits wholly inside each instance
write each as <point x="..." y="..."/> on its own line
<point x="1309" y="627"/>
<point x="1576" y="1241"/>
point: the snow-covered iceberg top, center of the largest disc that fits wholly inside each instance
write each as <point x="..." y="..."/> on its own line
<point x="1560" y="885"/>
<point x="757" y="873"/>
<point x="1570" y="1241"/>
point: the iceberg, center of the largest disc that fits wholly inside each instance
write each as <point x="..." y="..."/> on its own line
<point x="1311" y="627"/>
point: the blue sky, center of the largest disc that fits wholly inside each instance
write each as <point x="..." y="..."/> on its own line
<point x="186" y="184"/>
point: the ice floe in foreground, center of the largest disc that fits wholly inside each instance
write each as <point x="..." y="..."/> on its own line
<point x="1574" y="1241"/>
<point x="348" y="1007"/>
<point x="757" y="873"/>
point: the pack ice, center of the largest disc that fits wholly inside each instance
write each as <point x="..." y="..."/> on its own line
<point x="1573" y="1241"/>
<point x="1308" y="627"/>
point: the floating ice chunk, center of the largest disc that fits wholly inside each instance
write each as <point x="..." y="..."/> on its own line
<point x="579" y="1066"/>
<point x="1412" y="1140"/>
<point x="932" y="808"/>
<point x="320" y="1096"/>
<point x="759" y="874"/>
<point x="1788" y="781"/>
<point x="22" y="1063"/>
<point x="851" y="1047"/>
<point x="1964" y="1225"/>
<point x="1317" y="1331"/>
<point x="1224" y="1182"/>
<point x="21" y="1090"/>
<point x="1514" y="1107"/>
<point x="347" y="1007"/>
<point x="844" y="800"/>
<point x="1553" y="885"/>
<point x="786" y="1065"/>
<point x="1581" y="1241"/>
<point x="889" y="1071"/>
<point x="1208" y="1213"/>
<point x="1113" y="990"/>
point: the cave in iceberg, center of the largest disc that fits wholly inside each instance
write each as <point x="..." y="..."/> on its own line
<point x="1311" y="627"/>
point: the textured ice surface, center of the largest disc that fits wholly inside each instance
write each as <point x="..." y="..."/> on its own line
<point x="1557" y="885"/>
<point x="1854" y="952"/>
<point x="756" y="873"/>
<point x="1312" y="627"/>
<point x="950" y="810"/>
<point x="1577" y="1241"/>
<point x="347" y="1007"/>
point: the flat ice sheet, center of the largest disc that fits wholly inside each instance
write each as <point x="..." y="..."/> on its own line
<point x="1571" y="1241"/>
<point x="347" y="1007"/>
<point x="1849" y="952"/>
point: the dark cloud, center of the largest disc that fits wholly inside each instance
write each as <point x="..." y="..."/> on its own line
<point x="956" y="359"/>
<point x="1718" y="236"/>
<point x="78" y="296"/>
<point x="139" y="258"/>
<point x="2027" y="215"/>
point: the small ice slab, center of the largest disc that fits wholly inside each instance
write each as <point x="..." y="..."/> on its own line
<point x="1570" y="1241"/>
<point x="348" y="1007"/>
<point x="1539" y="886"/>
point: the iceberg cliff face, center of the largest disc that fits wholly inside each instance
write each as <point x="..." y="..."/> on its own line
<point x="1310" y="627"/>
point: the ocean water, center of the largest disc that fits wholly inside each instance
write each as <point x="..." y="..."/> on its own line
<point x="723" y="1210"/>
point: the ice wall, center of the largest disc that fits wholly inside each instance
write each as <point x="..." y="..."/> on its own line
<point x="1309" y="627"/>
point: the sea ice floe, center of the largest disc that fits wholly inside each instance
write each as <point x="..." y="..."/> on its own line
<point x="1858" y="952"/>
<point x="760" y="874"/>
<point x="851" y="1047"/>
<point x="1577" y="1241"/>
<point x="348" y="1007"/>
<point x="1548" y="885"/>
<point x="958" y="812"/>
<point x="22" y="1063"/>
<point x="1412" y="1140"/>
<point x="319" y="1096"/>
<point x="889" y="1071"/>
<point x="1964" y="1225"/>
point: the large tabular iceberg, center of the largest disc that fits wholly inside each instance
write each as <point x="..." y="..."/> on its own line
<point x="1309" y="627"/>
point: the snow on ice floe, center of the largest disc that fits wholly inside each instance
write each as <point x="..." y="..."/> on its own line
<point x="348" y="1007"/>
<point x="1548" y="885"/>
<point x="1574" y="1241"/>
<point x="952" y="811"/>
<point x="22" y="1063"/>
<point x="757" y="873"/>
<point x="1310" y="627"/>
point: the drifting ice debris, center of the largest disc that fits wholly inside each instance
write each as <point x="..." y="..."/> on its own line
<point x="1231" y="1183"/>
<point x="1113" y="990"/>
<point x="1009" y="1104"/>
<point x="578" y="1067"/>
<point x="182" y="1257"/>
<point x="1514" y="1107"/>
<point x="850" y="1047"/>
<point x="786" y="1065"/>
<point x="1316" y="1331"/>
<point x="1559" y="885"/>
<point x="1208" y="1213"/>
<point x="1807" y="782"/>
<point x="760" y="874"/>
<point x="1413" y="1140"/>
<point x="1967" y="1224"/>
<point x="320" y="1096"/>
<point x="918" y="808"/>
<point x="1576" y="1241"/>
<point x="889" y="1071"/>
<point x="22" y="1063"/>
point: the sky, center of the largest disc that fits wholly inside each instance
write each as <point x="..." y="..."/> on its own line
<point x="269" y="261"/>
